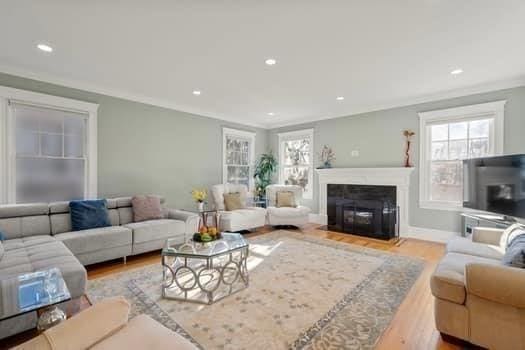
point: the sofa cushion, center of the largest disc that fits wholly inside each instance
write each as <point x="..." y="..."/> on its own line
<point x="515" y="253"/>
<point x="448" y="280"/>
<point x="2" y="250"/>
<point x="242" y="218"/>
<point x="466" y="246"/>
<point x="508" y="234"/>
<point x="18" y="210"/>
<point x="95" y="239"/>
<point x="32" y="254"/>
<point x="232" y="201"/>
<point x="146" y="208"/>
<point x="156" y="229"/>
<point x="142" y="332"/>
<point x="88" y="214"/>
<point x="23" y="242"/>
<point x="289" y="212"/>
<point x="285" y="199"/>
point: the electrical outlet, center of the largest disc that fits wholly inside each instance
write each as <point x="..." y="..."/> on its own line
<point x="355" y="153"/>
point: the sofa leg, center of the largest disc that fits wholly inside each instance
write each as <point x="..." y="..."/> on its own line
<point x="125" y="260"/>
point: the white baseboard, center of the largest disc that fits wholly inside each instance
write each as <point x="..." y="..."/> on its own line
<point x="429" y="234"/>
<point x="318" y="219"/>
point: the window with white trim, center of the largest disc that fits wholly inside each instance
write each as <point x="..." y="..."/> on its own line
<point x="48" y="148"/>
<point x="296" y="159"/>
<point x="447" y="138"/>
<point x="238" y="157"/>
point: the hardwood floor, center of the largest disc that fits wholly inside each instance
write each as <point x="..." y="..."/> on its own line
<point x="412" y="326"/>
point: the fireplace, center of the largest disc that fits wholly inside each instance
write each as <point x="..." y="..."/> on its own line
<point x="367" y="210"/>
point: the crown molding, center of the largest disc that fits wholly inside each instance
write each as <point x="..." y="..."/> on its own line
<point x="98" y="89"/>
<point x="471" y="90"/>
<point x="126" y="95"/>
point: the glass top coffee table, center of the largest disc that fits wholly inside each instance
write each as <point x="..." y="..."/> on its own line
<point x="205" y="272"/>
<point x="34" y="291"/>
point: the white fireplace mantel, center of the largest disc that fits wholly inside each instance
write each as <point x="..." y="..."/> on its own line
<point x="399" y="177"/>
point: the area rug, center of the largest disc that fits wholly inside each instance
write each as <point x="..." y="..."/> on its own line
<point x="304" y="293"/>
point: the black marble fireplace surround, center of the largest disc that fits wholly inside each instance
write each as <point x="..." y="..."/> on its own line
<point x="366" y="210"/>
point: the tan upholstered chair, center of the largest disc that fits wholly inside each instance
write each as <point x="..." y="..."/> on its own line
<point x="297" y="216"/>
<point x="477" y="298"/>
<point x="246" y="218"/>
<point x="105" y="326"/>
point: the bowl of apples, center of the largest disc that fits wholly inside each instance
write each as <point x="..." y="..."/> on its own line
<point x="206" y="234"/>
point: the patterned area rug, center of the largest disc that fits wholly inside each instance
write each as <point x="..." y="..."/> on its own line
<point x="304" y="293"/>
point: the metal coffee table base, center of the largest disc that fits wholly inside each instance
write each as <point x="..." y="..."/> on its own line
<point x="205" y="280"/>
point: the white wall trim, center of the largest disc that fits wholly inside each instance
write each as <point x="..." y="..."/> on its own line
<point x="428" y="234"/>
<point x="249" y="135"/>
<point x="7" y="194"/>
<point x="495" y="110"/>
<point x="294" y="135"/>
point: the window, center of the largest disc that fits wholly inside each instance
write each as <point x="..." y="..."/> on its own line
<point x="49" y="152"/>
<point x="449" y="136"/>
<point x="296" y="161"/>
<point x="238" y="157"/>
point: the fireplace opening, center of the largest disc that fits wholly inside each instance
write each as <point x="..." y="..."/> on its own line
<point x="363" y="210"/>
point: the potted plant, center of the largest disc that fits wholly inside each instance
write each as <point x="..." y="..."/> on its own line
<point x="199" y="196"/>
<point x="264" y="170"/>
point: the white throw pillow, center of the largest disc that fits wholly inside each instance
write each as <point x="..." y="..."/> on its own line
<point x="507" y="235"/>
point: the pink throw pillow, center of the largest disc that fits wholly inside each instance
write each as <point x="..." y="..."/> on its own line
<point x="146" y="208"/>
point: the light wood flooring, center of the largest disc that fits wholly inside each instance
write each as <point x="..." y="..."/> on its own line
<point x="412" y="326"/>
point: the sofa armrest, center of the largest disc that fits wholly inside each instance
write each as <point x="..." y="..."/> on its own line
<point x="190" y="219"/>
<point x="89" y="326"/>
<point x="487" y="235"/>
<point x="498" y="283"/>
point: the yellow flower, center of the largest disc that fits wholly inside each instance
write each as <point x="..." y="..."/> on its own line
<point x="199" y="195"/>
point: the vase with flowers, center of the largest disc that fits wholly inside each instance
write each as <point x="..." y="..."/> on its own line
<point x="408" y="137"/>
<point x="326" y="157"/>
<point x="199" y="196"/>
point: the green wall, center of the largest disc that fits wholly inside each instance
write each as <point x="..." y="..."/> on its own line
<point x="148" y="149"/>
<point x="378" y="137"/>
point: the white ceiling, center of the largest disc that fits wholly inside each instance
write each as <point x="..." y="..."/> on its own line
<point x="375" y="53"/>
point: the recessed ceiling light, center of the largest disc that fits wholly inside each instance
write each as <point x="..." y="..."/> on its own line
<point x="339" y="98"/>
<point x="196" y="92"/>
<point x="45" y="48"/>
<point x="270" y="61"/>
<point x="456" y="71"/>
<point x="271" y="114"/>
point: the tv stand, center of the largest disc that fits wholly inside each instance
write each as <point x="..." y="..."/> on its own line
<point x="471" y="220"/>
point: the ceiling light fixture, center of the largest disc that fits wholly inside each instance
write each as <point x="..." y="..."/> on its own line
<point x="270" y="61"/>
<point x="271" y="114"/>
<point x="196" y="92"/>
<point x="457" y="71"/>
<point x="339" y="98"/>
<point x="45" y="48"/>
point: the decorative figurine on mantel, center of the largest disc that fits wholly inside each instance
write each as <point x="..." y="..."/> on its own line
<point x="326" y="157"/>
<point x="408" y="136"/>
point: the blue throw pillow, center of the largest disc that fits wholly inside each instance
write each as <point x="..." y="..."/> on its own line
<point x="515" y="252"/>
<point x="88" y="214"/>
<point x="2" y="236"/>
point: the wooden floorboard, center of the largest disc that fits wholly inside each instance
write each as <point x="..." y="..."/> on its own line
<point x="413" y="324"/>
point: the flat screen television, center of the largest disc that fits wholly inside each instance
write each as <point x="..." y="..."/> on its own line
<point x="495" y="184"/>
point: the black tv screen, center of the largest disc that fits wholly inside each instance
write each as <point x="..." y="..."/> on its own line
<point x="495" y="184"/>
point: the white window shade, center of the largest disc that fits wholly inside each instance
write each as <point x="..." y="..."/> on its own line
<point x="50" y="154"/>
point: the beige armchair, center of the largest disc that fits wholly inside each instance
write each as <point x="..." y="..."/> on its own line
<point x="477" y="298"/>
<point x="105" y="326"/>
<point x="246" y="218"/>
<point x="288" y="216"/>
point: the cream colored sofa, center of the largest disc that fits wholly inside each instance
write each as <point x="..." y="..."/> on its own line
<point x="297" y="216"/>
<point x="477" y="298"/>
<point x="105" y="326"/>
<point x="246" y="218"/>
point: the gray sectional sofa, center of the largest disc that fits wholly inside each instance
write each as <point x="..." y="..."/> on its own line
<point x="39" y="236"/>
